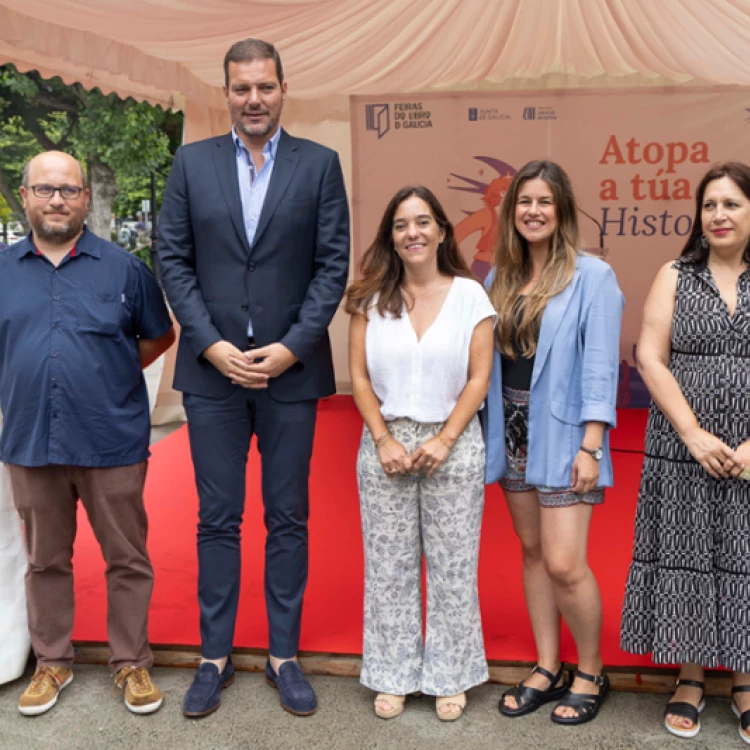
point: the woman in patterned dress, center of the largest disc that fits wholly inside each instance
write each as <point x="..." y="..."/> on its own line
<point x="550" y="406"/>
<point x="687" y="599"/>
<point x="420" y="354"/>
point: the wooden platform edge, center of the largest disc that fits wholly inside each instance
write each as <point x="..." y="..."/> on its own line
<point x="625" y="679"/>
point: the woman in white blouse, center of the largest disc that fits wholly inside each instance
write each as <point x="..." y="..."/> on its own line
<point x="420" y="351"/>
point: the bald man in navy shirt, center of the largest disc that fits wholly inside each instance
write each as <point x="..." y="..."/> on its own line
<point x="79" y="319"/>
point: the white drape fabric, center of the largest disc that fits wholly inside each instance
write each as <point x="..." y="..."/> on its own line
<point x="14" y="633"/>
<point x="170" y="50"/>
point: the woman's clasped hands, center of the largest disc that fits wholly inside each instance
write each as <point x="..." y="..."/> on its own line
<point x="715" y="456"/>
<point x="428" y="457"/>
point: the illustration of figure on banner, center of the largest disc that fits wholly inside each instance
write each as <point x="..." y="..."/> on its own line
<point x="484" y="220"/>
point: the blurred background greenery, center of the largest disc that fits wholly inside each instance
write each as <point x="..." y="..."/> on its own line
<point x="124" y="145"/>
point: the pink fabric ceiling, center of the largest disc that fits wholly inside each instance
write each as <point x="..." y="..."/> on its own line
<point x="169" y="50"/>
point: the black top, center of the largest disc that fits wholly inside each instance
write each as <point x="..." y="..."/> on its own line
<point x="517" y="372"/>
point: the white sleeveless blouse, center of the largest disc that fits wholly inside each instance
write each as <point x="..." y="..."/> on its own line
<point x="422" y="380"/>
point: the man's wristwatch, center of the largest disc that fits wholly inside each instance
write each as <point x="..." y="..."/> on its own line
<point x="596" y="453"/>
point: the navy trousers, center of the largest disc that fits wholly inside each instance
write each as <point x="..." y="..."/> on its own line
<point x="220" y="433"/>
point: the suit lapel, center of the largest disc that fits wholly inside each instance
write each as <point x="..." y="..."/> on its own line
<point x="225" y="161"/>
<point x="287" y="157"/>
<point x="551" y="319"/>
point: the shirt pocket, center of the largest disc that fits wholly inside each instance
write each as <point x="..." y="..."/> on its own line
<point x="566" y="398"/>
<point x="565" y="433"/>
<point x="567" y="411"/>
<point x="99" y="314"/>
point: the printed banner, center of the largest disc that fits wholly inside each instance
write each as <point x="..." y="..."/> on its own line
<point x="634" y="158"/>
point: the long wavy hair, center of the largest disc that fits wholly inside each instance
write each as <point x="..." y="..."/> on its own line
<point x="383" y="270"/>
<point x="695" y="250"/>
<point x="512" y="261"/>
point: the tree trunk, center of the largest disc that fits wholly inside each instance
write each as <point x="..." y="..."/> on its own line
<point x="103" y="191"/>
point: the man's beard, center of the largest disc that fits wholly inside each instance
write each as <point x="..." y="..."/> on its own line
<point x="255" y="131"/>
<point x="56" y="234"/>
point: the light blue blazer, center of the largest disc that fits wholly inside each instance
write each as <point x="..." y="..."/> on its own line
<point x="574" y="379"/>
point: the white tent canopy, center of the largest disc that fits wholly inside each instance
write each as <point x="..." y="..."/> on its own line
<point x="170" y="50"/>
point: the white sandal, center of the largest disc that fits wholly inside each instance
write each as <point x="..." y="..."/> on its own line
<point x="457" y="701"/>
<point x="396" y="703"/>
<point x="743" y="716"/>
<point x="685" y="711"/>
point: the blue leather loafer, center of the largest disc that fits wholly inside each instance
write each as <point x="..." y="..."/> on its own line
<point x="295" y="693"/>
<point x="204" y="695"/>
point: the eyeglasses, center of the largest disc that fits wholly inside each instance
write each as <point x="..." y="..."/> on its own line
<point x="67" y="192"/>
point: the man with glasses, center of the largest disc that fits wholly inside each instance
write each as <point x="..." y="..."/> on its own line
<point x="79" y="318"/>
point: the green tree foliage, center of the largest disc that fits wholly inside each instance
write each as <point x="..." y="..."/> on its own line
<point x="5" y="216"/>
<point x="123" y="138"/>
<point x="17" y="146"/>
<point x="135" y="189"/>
<point x="125" y="135"/>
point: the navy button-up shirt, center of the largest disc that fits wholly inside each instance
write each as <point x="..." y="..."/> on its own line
<point x="71" y="387"/>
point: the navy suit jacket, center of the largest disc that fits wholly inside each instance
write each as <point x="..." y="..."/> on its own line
<point x="290" y="282"/>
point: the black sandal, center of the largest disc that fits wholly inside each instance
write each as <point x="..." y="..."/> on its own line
<point x="744" y="716"/>
<point x="586" y="704"/>
<point x="528" y="699"/>
<point x="685" y="711"/>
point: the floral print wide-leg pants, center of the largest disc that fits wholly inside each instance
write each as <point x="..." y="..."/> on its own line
<point x="402" y="518"/>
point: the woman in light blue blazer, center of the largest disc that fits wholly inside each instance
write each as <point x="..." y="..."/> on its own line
<point x="550" y="405"/>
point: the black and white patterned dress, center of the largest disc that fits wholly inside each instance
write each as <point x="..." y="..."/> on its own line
<point x="688" y="592"/>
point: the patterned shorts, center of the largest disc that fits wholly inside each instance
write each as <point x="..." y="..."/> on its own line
<point x="516" y="406"/>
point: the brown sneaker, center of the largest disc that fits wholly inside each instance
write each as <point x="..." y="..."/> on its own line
<point x="140" y="694"/>
<point x="42" y="692"/>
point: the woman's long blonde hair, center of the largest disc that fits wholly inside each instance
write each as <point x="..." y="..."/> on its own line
<point x="513" y="267"/>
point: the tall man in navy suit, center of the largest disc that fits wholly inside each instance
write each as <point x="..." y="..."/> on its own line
<point x="254" y="253"/>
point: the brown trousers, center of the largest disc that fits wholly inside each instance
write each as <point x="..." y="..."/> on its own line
<point x="46" y="498"/>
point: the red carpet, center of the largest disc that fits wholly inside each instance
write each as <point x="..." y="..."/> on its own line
<point x="333" y="604"/>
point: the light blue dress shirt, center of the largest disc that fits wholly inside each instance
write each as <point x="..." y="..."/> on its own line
<point x="254" y="186"/>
